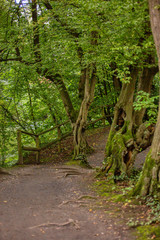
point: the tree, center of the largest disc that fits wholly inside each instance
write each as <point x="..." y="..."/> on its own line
<point x="150" y="178"/>
<point x="44" y="42"/>
<point x="128" y="134"/>
<point x="53" y="53"/>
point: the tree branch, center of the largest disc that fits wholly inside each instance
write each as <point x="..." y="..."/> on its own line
<point x="12" y="117"/>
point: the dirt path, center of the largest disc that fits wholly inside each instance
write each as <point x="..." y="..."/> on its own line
<point x="56" y="203"/>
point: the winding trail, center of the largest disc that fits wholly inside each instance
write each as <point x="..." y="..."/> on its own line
<point x="48" y="202"/>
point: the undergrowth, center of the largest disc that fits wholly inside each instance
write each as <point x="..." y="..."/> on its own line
<point x="118" y="190"/>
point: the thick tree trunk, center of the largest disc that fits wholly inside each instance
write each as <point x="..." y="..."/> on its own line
<point x="149" y="181"/>
<point x="125" y="138"/>
<point x="80" y="143"/>
<point x="120" y="142"/>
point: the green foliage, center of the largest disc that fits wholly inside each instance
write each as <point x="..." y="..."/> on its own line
<point x="33" y="103"/>
<point x="148" y="232"/>
<point x="153" y="216"/>
<point x="144" y="101"/>
<point x="154" y="204"/>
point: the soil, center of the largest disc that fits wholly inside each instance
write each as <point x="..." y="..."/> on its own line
<point x="53" y="201"/>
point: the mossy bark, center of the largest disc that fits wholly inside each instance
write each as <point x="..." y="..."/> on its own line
<point x="120" y="144"/>
<point x="149" y="182"/>
<point x="128" y="135"/>
<point x="120" y="151"/>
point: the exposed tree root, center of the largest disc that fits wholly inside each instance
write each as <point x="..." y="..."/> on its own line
<point x="67" y="168"/>
<point x="70" y="222"/>
<point x="87" y="197"/>
<point x="71" y="201"/>
<point x="71" y="172"/>
<point x="2" y="171"/>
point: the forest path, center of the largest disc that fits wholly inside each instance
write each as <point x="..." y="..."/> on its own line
<point x="57" y="202"/>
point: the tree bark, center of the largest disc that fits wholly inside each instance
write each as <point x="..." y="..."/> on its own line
<point x="36" y="41"/>
<point x="80" y="143"/>
<point x="120" y="142"/>
<point x="58" y="81"/>
<point x="128" y="133"/>
<point x="145" y="85"/>
<point x="87" y="81"/>
<point x="149" y="181"/>
<point x="81" y="86"/>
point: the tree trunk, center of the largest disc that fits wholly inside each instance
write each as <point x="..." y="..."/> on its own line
<point x="86" y="90"/>
<point x="128" y="133"/>
<point x="81" y="86"/>
<point x="55" y="78"/>
<point x="58" y="81"/>
<point x="145" y="85"/>
<point x="105" y="110"/>
<point x="120" y="142"/>
<point x="80" y="143"/>
<point x="149" y="182"/>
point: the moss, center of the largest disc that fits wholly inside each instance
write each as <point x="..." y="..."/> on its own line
<point x="109" y="190"/>
<point x="109" y="144"/>
<point x="136" y="190"/>
<point x="118" y="198"/>
<point x="149" y="164"/>
<point x="127" y="136"/>
<point x="79" y="163"/>
<point x="148" y="232"/>
<point x="118" y="146"/>
<point x="115" y="147"/>
<point x="73" y="162"/>
<point x="141" y="186"/>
